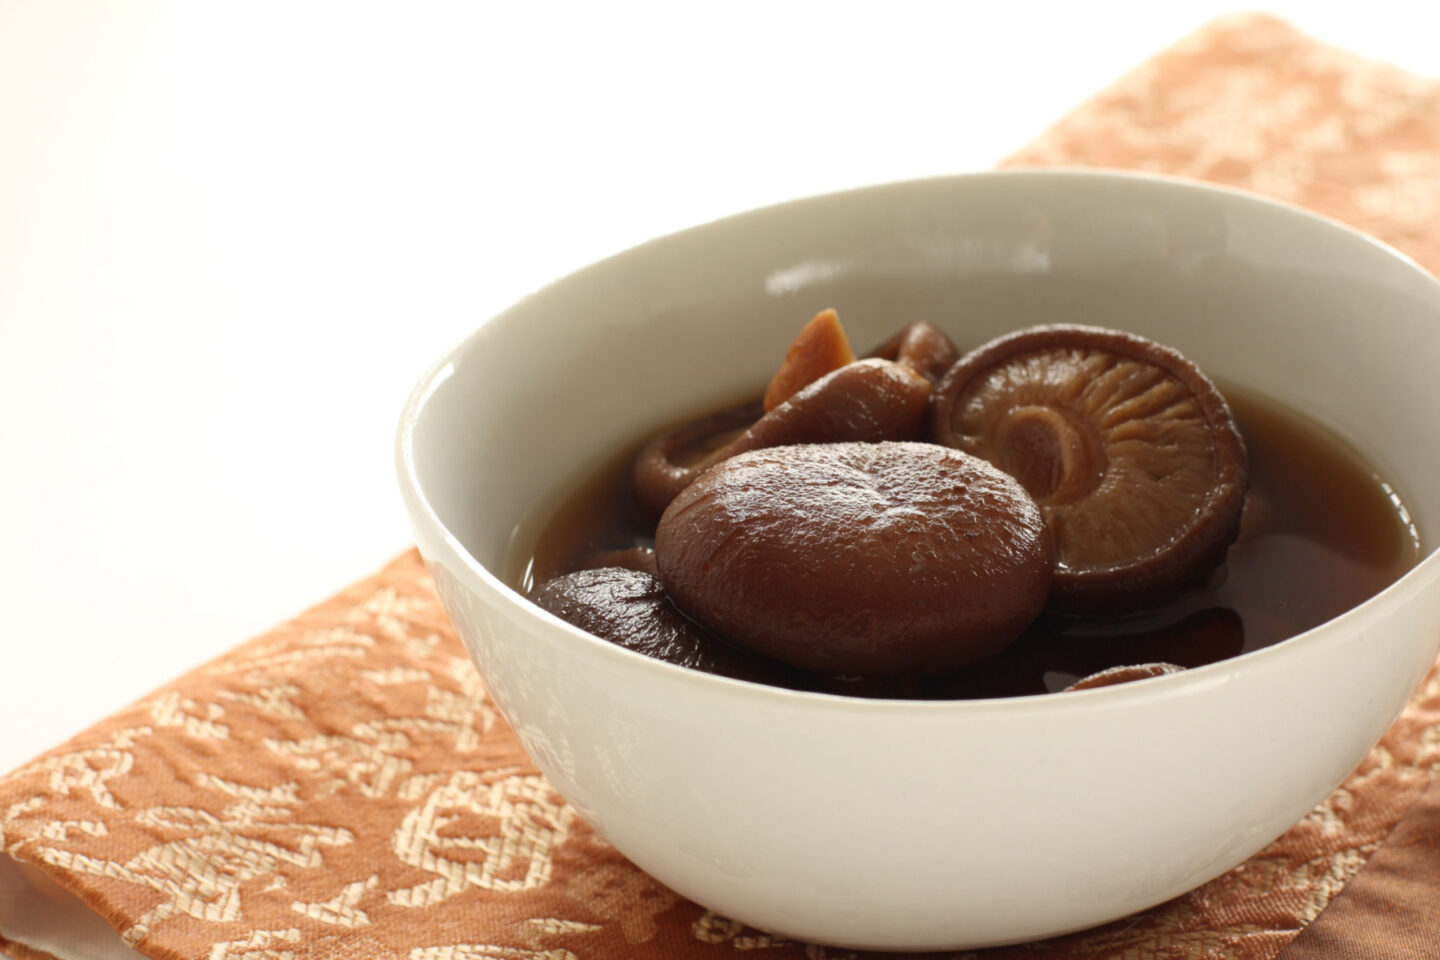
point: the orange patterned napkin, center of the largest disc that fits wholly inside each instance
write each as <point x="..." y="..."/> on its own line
<point x="342" y="788"/>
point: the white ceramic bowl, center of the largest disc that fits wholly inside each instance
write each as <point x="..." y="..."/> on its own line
<point x="917" y="825"/>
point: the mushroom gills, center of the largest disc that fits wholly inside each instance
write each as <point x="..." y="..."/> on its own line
<point x="1130" y="451"/>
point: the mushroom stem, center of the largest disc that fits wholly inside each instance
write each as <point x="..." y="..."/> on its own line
<point x="1056" y="458"/>
<point x="820" y="347"/>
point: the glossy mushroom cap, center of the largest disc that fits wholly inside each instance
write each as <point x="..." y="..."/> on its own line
<point x="858" y="558"/>
<point x="921" y="347"/>
<point x="630" y="609"/>
<point x="867" y="401"/>
<point x="1130" y="451"/>
<point x="862" y="402"/>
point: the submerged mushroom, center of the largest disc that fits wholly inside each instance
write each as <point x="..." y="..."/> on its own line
<point x="858" y="558"/>
<point x="1124" y="674"/>
<point x="630" y="609"/>
<point x="1058" y="650"/>
<point x="922" y="348"/>
<point x="671" y="460"/>
<point x="865" y="401"/>
<point x="1130" y="451"/>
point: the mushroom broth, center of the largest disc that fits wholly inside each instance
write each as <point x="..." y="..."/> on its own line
<point x="1321" y="533"/>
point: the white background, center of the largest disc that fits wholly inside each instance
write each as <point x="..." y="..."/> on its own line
<point x="233" y="235"/>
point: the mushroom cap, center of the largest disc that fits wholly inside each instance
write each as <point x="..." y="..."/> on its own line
<point x="629" y="608"/>
<point x="921" y="347"/>
<point x="867" y="400"/>
<point x="820" y="347"/>
<point x="671" y="460"/>
<point x="1130" y="451"/>
<point x="858" y="558"/>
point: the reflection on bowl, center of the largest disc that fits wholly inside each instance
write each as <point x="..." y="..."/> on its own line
<point x="930" y="825"/>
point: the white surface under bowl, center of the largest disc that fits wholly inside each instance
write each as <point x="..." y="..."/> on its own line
<point x="920" y="825"/>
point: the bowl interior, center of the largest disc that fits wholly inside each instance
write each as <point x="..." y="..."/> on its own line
<point x="1257" y="294"/>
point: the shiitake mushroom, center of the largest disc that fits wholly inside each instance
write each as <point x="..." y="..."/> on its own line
<point x="1055" y="652"/>
<point x="1130" y="451"/>
<point x="671" y="460"/>
<point x="866" y="401"/>
<point x="1128" y="673"/>
<point x="819" y="348"/>
<point x="923" y="348"/>
<point x="858" y="558"/>
<point x="822" y="346"/>
<point x="631" y="609"/>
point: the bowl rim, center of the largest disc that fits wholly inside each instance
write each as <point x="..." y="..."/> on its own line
<point x="1331" y="632"/>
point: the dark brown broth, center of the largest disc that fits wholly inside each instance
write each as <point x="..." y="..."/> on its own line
<point x="1321" y="533"/>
